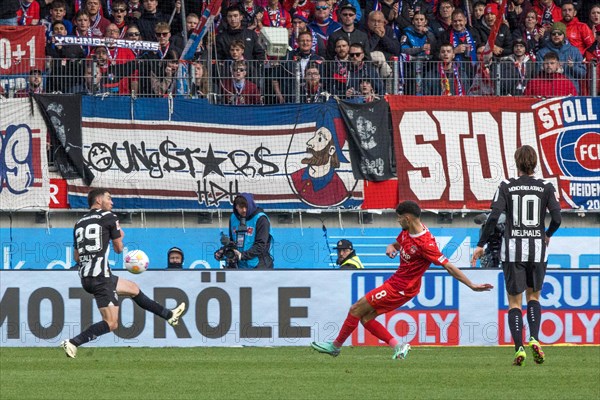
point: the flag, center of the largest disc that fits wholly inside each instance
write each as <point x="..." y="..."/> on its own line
<point x="370" y="139"/>
<point x="482" y="82"/>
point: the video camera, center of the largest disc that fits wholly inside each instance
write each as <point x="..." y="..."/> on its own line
<point x="228" y="247"/>
<point x="491" y="254"/>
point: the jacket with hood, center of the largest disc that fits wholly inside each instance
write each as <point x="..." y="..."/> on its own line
<point x="256" y="242"/>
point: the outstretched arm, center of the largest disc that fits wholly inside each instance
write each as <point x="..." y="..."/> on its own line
<point x="458" y="275"/>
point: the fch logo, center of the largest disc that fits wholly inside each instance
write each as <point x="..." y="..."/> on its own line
<point x="570" y="309"/>
<point x="430" y="318"/>
<point x="569" y="132"/>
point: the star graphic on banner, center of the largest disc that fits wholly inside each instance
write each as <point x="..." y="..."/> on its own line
<point x="211" y="163"/>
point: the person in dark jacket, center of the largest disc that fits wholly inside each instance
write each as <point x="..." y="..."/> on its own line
<point x="235" y="31"/>
<point x="250" y="231"/>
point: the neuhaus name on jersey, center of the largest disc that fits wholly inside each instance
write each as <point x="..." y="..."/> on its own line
<point x="526" y="233"/>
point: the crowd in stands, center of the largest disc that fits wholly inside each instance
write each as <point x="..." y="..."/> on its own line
<point x="351" y="49"/>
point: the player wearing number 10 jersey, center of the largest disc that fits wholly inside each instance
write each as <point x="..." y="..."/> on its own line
<point x="92" y="236"/>
<point x="418" y="250"/>
<point x="525" y="200"/>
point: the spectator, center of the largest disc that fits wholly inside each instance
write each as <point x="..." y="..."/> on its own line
<point x="135" y="9"/>
<point x="569" y="56"/>
<point x="579" y="34"/>
<point x="82" y="29"/>
<point x="275" y="16"/>
<point x="346" y="256"/>
<point x="592" y="54"/>
<point x="503" y="43"/>
<point x="348" y="30"/>
<point x="448" y="78"/>
<point x="28" y="13"/>
<point x="359" y="69"/>
<point x="235" y="31"/>
<point x="443" y="19"/>
<point x="401" y="13"/>
<point x="57" y="12"/>
<point x="175" y="258"/>
<point x="66" y="65"/>
<point x="300" y="24"/>
<point x="149" y="18"/>
<point x="464" y="41"/>
<point x="516" y="70"/>
<point x="98" y="23"/>
<point x="383" y="43"/>
<point x="532" y="33"/>
<point x="548" y="13"/>
<point x="34" y="84"/>
<point x="283" y="82"/>
<point x="418" y="39"/>
<point x="517" y="12"/>
<point x="550" y="82"/>
<point x="300" y="7"/>
<point x="237" y="90"/>
<point x="8" y="12"/>
<point x="119" y="16"/>
<point x="367" y="93"/>
<point x="164" y="78"/>
<point x="250" y="230"/>
<point x="337" y="70"/>
<point x="133" y="33"/>
<point x="252" y="15"/>
<point x="323" y="25"/>
<point x="477" y="14"/>
<point x="594" y="17"/>
<point x="312" y="90"/>
<point x="199" y="87"/>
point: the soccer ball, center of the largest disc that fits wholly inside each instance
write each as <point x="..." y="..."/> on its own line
<point x="136" y="261"/>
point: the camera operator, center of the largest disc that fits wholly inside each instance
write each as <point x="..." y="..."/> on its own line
<point x="491" y="255"/>
<point x="250" y="244"/>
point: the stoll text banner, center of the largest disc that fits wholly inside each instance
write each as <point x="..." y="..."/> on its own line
<point x="452" y="153"/>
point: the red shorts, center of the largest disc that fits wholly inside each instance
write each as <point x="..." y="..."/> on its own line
<point x="385" y="298"/>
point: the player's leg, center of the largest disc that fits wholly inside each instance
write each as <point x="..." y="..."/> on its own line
<point x="131" y="289"/>
<point x="516" y="283"/>
<point x="104" y="291"/>
<point x="349" y="325"/>
<point x="357" y="311"/>
<point x="535" y="281"/>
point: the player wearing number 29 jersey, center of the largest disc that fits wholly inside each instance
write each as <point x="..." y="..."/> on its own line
<point x="418" y="250"/>
<point x="92" y="235"/>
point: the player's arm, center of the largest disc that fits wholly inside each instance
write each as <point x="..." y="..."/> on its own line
<point x="392" y="250"/>
<point x="556" y="218"/>
<point x="76" y="255"/>
<point x="116" y="234"/>
<point x="461" y="277"/>
<point x="498" y="205"/>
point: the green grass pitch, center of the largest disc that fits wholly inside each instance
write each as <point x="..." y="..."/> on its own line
<point x="297" y="373"/>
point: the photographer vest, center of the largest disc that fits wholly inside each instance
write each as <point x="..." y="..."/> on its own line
<point x="245" y="240"/>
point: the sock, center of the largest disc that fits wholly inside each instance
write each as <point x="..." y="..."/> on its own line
<point x="515" y="322"/>
<point x="534" y="318"/>
<point x="378" y="331"/>
<point x="349" y="326"/>
<point x="148" y="304"/>
<point x="91" y="333"/>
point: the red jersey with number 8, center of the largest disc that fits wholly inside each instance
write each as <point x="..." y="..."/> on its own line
<point x="417" y="253"/>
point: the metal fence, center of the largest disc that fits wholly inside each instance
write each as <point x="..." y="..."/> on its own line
<point x="284" y="81"/>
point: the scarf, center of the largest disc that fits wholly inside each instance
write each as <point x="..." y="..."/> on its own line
<point x="445" y="81"/>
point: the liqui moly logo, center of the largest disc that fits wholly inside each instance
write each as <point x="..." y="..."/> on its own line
<point x="570" y="309"/>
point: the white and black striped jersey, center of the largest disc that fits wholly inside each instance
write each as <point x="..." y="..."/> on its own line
<point x="525" y="200"/>
<point x="92" y="236"/>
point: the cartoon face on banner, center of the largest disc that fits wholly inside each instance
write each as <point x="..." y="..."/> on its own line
<point x="569" y="134"/>
<point x="321" y="177"/>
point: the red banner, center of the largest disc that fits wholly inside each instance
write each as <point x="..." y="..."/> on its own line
<point x="453" y="152"/>
<point x="22" y="48"/>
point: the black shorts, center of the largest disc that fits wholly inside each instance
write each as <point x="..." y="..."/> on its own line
<point x="104" y="289"/>
<point x="518" y="276"/>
